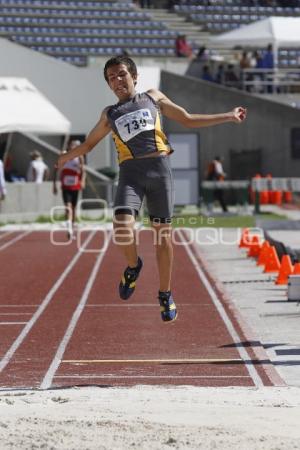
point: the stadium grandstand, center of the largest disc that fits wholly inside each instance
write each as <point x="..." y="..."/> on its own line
<point x="75" y="31"/>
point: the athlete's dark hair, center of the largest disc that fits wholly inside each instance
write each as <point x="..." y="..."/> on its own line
<point x="116" y="60"/>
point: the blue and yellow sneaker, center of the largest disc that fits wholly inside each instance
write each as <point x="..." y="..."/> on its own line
<point x="127" y="283"/>
<point x="168" y="309"/>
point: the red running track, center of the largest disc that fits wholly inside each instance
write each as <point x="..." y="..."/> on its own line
<point x="62" y="322"/>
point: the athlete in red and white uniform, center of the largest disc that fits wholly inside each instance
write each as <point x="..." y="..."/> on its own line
<point x="71" y="175"/>
<point x="72" y="179"/>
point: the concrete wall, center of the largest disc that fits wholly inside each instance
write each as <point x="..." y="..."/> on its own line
<point x="267" y="127"/>
<point x="27" y="201"/>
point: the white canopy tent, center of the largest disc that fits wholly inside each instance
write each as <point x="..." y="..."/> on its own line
<point x="26" y="110"/>
<point x="278" y="31"/>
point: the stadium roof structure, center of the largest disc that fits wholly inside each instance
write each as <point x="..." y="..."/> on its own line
<point x="25" y="109"/>
<point x="278" y="31"/>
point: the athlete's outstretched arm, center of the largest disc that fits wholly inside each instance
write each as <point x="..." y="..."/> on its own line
<point x="101" y="129"/>
<point x="180" y="115"/>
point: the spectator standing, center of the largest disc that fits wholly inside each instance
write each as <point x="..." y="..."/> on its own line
<point x="268" y="64"/>
<point x="220" y="74"/>
<point x="259" y="60"/>
<point x="37" y="171"/>
<point x="216" y="173"/>
<point x="244" y="61"/>
<point x="256" y="62"/>
<point x="244" y="65"/>
<point x="72" y="179"/>
<point x="206" y="74"/>
<point x="7" y="163"/>
<point x="230" y="77"/>
<point x="2" y="182"/>
<point x="182" y="47"/>
<point x="268" y="58"/>
<point x="202" y="54"/>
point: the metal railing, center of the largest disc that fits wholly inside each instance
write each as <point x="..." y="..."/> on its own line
<point x="257" y="184"/>
<point x="237" y="190"/>
<point x="271" y="81"/>
<point x="226" y="184"/>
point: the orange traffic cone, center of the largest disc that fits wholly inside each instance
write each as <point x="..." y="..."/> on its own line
<point x="272" y="261"/>
<point x="287" y="197"/>
<point x="286" y="269"/>
<point x="245" y="238"/>
<point x="296" y="270"/>
<point x="254" y="248"/>
<point x="263" y="254"/>
<point x="276" y="197"/>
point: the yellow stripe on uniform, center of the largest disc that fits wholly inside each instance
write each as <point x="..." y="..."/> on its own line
<point x="160" y="137"/>
<point x="123" y="151"/>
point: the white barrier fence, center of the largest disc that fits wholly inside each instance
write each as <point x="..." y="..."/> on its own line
<point x="257" y="184"/>
<point x="277" y="81"/>
<point x="275" y="184"/>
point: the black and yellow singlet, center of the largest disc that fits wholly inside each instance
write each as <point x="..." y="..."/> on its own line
<point x="136" y="127"/>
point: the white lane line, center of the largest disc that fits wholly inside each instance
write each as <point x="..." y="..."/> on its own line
<point x="12" y="241"/>
<point x="18" y="306"/>
<point x="15" y="314"/>
<point x="236" y="338"/>
<point x="47" y="381"/>
<point x="9" y="354"/>
<point x="174" y="377"/>
<point x="7" y="233"/>
<point x="12" y="323"/>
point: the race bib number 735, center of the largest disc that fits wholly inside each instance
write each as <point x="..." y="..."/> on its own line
<point x="134" y="123"/>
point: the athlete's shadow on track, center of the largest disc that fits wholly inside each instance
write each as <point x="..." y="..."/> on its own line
<point x="253" y="344"/>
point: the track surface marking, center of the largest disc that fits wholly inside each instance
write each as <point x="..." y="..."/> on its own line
<point x="79" y="332"/>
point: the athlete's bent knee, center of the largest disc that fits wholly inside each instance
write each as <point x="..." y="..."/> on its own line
<point x="123" y="235"/>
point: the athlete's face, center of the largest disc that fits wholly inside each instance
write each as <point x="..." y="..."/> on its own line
<point x="121" y="82"/>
